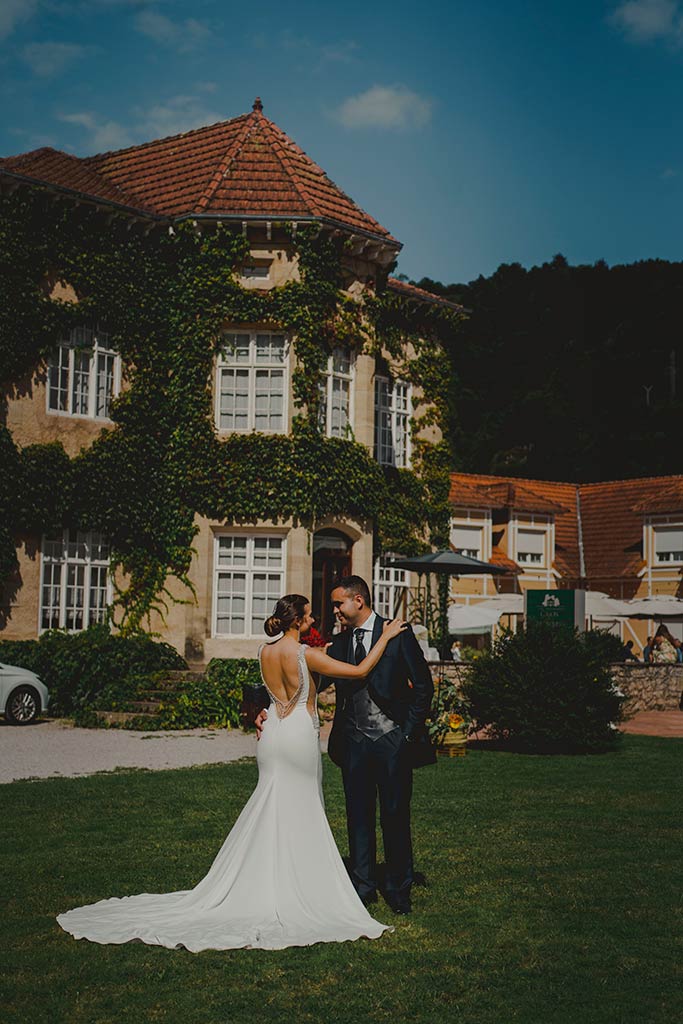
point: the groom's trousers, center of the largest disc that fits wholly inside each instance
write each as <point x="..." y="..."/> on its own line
<point x="371" y="767"/>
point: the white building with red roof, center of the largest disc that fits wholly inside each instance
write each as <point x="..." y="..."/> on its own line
<point x="623" y="538"/>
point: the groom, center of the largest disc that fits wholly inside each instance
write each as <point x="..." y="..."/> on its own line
<point x="377" y="738"/>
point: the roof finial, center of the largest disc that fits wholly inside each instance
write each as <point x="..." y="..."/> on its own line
<point x="258" y="106"/>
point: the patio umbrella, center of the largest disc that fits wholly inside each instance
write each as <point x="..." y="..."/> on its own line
<point x="661" y="606"/>
<point x="471" y="618"/>
<point x="504" y="604"/>
<point x="602" y="606"/>
<point x="449" y="562"/>
<point x="446" y="563"/>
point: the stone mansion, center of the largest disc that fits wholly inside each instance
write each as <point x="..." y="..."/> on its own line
<point x="246" y="172"/>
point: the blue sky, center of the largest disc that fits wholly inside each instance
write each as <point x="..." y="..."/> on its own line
<point x="477" y="133"/>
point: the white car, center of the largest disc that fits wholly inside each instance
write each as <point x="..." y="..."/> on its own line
<point x="22" y="695"/>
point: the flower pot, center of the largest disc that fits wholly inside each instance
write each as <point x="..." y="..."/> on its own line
<point x="454" y="742"/>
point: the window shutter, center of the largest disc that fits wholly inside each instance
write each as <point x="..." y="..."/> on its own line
<point x="668" y="538"/>
<point x="531" y="542"/>
<point x="466" y="538"/>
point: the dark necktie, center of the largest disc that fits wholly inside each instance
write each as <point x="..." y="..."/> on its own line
<point x="359" y="652"/>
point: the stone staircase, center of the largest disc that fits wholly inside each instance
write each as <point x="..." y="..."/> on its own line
<point x="143" y="712"/>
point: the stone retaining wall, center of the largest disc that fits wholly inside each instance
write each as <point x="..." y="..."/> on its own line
<point x="647" y="687"/>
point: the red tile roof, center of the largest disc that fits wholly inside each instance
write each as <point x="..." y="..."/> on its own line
<point x="669" y="499"/>
<point x="68" y="172"/>
<point x="550" y="498"/>
<point x="612" y="528"/>
<point x="246" y="167"/>
<point x="611" y="516"/>
<point x="503" y="494"/>
<point x="498" y="558"/>
<point x="411" y="291"/>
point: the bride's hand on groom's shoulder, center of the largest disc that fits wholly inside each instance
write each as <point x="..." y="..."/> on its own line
<point x="393" y="628"/>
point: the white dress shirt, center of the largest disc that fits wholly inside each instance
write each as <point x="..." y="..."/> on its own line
<point x="368" y="626"/>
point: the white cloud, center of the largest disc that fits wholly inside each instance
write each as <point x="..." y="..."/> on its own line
<point x="385" y="106"/>
<point x="179" y="35"/>
<point x="12" y="12"/>
<point x="647" y="20"/>
<point x="102" y="135"/>
<point x="312" y="55"/>
<point x="176" y="115"/>
<point x="47" y="59"/>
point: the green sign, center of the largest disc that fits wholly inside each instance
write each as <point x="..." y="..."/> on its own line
<point x="562" y="607"/>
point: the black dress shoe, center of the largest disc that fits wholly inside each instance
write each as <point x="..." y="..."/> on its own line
<point x="368" y="899"/>
<point x="400" y="906"/>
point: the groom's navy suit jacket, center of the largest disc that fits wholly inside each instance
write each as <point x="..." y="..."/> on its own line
<point x="400" y="685"/>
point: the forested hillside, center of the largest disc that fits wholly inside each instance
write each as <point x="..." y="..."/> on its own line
<point x="570" y="373"/>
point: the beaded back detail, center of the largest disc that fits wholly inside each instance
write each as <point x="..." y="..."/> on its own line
<point x="282" y="707"/>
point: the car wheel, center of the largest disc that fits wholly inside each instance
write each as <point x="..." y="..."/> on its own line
<point x="23" y="706"/>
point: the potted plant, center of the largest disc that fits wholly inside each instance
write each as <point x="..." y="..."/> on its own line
<point x="450" y="720"/>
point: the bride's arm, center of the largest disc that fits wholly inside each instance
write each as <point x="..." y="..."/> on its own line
<point x="318" y="661"/>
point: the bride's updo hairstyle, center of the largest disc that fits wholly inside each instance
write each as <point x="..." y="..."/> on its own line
<point x="288" y="609"/>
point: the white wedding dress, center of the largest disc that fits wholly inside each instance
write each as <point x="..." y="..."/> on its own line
<point x="278" y="879"/>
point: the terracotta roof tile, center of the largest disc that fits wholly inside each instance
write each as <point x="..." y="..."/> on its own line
<point x="411" y="291"/>
<point x="611" y="516"/>
<point x="612" y="528"/>
<point x="558" y="499"/>
<point x="668" y="499"/>
<point x="68" y="172"/>
<point x="244" y="167"/>
<point x="498" y="558"/>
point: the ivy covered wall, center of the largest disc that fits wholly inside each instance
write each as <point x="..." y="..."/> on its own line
<point x="164" y="297"/>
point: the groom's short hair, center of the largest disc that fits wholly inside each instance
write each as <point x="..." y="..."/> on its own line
<point x="356" y="585"/>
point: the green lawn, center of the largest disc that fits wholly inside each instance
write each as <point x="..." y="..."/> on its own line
<point x="554" y="896"/>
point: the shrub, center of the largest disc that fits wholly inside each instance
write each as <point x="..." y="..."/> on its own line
<point x="213" y="700"/>
<point x="548" y="689"/>
<point x="78" y="667"/>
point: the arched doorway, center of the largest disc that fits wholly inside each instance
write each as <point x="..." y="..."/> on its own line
<point x="331" y="561"/>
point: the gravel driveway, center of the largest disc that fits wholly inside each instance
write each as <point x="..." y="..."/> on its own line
<point x="55" y="748"/>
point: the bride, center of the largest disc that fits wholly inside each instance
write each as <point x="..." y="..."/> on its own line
<point x="278" y="879"/>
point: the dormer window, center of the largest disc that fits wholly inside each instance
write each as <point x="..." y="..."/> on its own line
<point x="668" y="544"/>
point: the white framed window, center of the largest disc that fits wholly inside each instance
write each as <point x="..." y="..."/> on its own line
<point x="392" y="422"/>
<point x="251" y="389"/>
<point x="530" y="547"/>
<point x="334" y="416"/>
<point x="75" y="588"/>
<point x="467" y="540"/>
<point x="668" y="544"/>
<point x="249" y="578"/>
<point x="83" y="375"/>
<point x="390" y="589"/>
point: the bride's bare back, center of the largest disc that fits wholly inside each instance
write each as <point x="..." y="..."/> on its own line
<point x="281" y="674"/>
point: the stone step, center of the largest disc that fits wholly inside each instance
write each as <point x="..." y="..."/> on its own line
<point x="174" y="680"/>
<point x="128" y="718"/>
<point x="146" y="706"/>
<point x="183" y="674"/>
